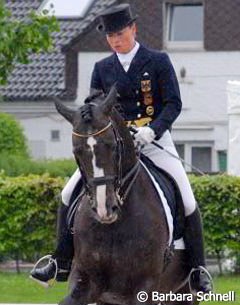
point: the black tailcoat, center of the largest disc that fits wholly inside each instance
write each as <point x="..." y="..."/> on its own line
<point x="165" y="92"/>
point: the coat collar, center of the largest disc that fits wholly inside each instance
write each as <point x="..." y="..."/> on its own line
<point x="140" y="59"/>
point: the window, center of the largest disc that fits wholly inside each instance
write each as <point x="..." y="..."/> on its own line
<point x="62" y="8"/>
<point x="184" y="26"/>
<point x="222" y="160"/>
<point x="55" y="135"/>
<point x="202" y="158"/>
<point x="200" y="155"/>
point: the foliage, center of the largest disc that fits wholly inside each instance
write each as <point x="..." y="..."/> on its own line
<point x="28" y="208"/>
<point x="218" y="198"/>
<point x="19" y="39"/>
<point x="12" y="139"/>
<point x="15" y="165"/>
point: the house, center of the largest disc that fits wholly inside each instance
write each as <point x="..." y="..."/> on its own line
<point x="202" y="38"/>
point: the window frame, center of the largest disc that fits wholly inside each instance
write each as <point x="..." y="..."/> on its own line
<point x="179" y="45"/>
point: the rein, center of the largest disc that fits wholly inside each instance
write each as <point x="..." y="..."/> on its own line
<point x="119" y="180"/>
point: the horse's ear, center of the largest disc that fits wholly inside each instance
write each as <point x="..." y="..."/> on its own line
<point x="110" y="100"/>
<point x="66" y="112"/>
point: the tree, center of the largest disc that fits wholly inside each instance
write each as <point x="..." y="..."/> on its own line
<point x="12" y="139"/>
<point x="19" y="39"/>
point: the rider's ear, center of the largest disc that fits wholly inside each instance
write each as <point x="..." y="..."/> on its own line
<point x="110" y="100"/>
<point x="66" y="112"/>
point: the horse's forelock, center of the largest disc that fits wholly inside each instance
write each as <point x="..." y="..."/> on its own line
<point x="92" y="97"/>
<point x="90" y="101"/>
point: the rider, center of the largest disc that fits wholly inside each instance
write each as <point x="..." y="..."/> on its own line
<point x="150" y="99"/>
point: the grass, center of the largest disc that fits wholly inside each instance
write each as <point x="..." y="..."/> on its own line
<point x="16" y="288"/>
<point x="225" y="284"/>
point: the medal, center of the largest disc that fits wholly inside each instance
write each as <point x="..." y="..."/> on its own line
<point x="146" y="88"/>
<point x="150" y="110"/>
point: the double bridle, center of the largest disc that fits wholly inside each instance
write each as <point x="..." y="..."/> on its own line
<point x="119" y="180"/>
<point x="97" y="133"/>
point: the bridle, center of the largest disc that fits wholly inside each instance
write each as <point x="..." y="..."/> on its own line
<point x="118" y="180"/>
<point x="92" y="134"/>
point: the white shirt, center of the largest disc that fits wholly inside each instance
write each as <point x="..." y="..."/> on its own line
<point x="126" y="58"/>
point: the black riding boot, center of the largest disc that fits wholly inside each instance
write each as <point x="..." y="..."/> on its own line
<point x="62" y="256"/>
<point x="200" y="279"/>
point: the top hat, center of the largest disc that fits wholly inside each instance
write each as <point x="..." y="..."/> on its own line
<point x="116" y="18"/>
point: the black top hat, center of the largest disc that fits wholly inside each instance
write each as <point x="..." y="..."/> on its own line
<point x="116" y="18"/>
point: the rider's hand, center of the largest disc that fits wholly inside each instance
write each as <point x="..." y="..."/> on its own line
<point x="144" y="135"/>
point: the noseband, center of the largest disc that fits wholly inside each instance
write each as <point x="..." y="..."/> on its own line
<point x="92" y="134"/>
<point x="118" y="180"/>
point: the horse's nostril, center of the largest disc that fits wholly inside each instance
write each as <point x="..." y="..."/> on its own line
<point x="94" y="209"/>
<point x="114" y="208"/>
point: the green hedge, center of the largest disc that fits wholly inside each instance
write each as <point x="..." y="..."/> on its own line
<point x="15" y="165"/>
<point x="219" y="200"/>
<point x="28" y="208"/>
<point x="28" y="213"/>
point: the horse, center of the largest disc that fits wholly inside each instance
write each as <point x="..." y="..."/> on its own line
<point x="120" y="230"/>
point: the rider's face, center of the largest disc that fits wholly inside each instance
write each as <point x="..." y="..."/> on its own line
<point x="122" y="41"/>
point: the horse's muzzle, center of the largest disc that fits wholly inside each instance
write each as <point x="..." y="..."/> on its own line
<point x="106" y="213"/>
<point x="109" y="219"/>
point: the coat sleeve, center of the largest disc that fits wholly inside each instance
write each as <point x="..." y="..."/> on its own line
<point x="171" y="98"/>
<point x="96" y="82"/>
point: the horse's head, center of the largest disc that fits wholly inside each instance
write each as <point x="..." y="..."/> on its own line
<point x="96" y="150"/>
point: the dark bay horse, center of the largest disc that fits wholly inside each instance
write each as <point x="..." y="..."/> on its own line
<point x="120" y="229"/>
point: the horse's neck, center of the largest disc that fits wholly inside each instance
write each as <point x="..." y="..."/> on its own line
<point x="128" y="154"/>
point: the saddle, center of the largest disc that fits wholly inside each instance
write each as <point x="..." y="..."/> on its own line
<point x="171" y="192"/>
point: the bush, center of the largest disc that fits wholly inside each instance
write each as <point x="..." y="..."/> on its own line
<point x="218" y="198"/>
<point x="15" y="165"/>
<point x="12" y="139"/>
<point x="28" y="209"/>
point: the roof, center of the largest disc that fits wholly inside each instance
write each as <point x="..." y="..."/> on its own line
<point x="43" y="77"/>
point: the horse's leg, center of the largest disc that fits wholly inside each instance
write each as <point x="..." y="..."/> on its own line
<point x="185" y="290"/>
<point x="69" y="300"/>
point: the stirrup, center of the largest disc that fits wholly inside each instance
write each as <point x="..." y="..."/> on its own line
<point x="202" y="270"/>
<point x="51" y="282"/>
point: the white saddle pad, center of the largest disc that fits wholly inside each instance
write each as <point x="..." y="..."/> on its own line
<point x="178" y="244"/>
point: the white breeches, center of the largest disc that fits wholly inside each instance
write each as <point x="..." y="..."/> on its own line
<point x="172" y="166"/>
<point x="69" y="187"/>
<point x="163" y="160"/>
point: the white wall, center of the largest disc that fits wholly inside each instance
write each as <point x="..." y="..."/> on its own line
<point x="86" y="61"/>
<point x="204" y="89"/>
<point x="37" y="120"/>
<point x="38" y="133"/>
<point x="233" y="88"/>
